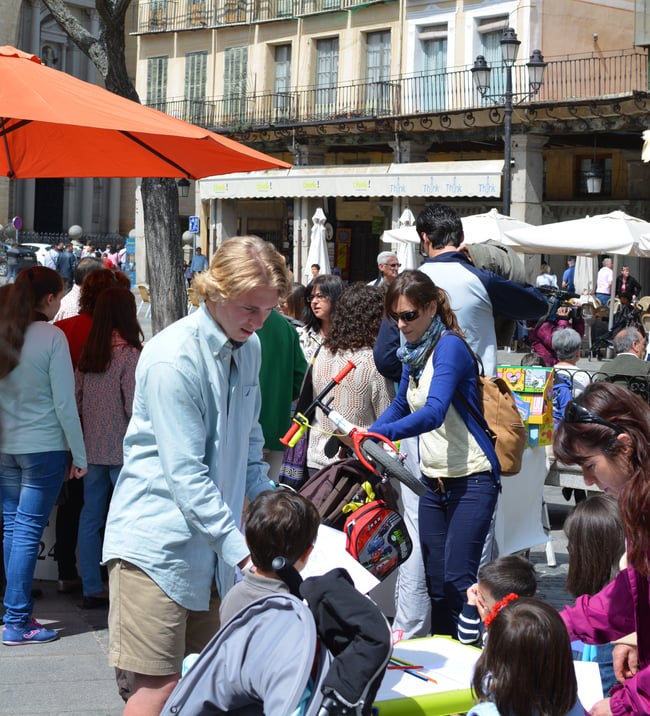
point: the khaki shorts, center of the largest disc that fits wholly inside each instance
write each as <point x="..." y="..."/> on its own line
<point x="148" y="632"/>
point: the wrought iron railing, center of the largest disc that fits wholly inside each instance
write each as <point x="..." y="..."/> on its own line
<point x="179" y="15"/>
<point x="566" y="80"/>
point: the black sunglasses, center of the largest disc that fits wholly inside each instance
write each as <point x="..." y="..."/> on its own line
<point x="576" y="413"/>
<point x="406" y="316"/>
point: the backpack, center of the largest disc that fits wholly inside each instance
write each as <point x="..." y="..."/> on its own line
<point x="341" y="487"/>
<point x="377" y="538"/>
<point x="504" y="424"/>
<point x="500" y="419"/>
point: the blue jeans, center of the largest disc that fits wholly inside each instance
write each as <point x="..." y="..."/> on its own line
<point x="603" y="297"/>
<point x="453" y="526"/>
<point x="98" y="485"/>
<point x="29" y="486"/>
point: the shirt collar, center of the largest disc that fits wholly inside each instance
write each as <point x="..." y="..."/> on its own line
<point x="218" y="342"/>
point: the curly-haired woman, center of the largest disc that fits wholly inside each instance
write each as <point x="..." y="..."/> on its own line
<point x="365" y="393"/>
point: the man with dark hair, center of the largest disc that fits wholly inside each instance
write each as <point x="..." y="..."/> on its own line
<point x="70" y="302"/>
<point x="476" y="295"/>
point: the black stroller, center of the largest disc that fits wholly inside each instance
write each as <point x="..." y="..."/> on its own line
<point x="267" y="658"/>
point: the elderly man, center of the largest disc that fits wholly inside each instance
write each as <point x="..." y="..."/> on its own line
<point x="630" y="347"/>
<point x="388" y="265"/>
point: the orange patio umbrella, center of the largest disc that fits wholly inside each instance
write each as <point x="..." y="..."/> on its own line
<point x="55" y="125"/>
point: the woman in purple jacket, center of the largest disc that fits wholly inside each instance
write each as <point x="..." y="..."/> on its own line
<point x="606" y="431"/>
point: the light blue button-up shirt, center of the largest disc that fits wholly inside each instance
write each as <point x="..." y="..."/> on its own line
<point x="192" y="450"/>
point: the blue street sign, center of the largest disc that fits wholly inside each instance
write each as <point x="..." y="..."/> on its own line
<point x="194" y="224"/>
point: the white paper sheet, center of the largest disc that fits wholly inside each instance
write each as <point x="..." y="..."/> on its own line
<point x="518" y="522"/>
<point x="329" y="552"/>
<point x="590" y="687"/>
<point x="447" y="661"/>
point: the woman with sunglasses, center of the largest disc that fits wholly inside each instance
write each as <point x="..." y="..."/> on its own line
<point x="605" y="431"/>
<point x="457" y="459"/>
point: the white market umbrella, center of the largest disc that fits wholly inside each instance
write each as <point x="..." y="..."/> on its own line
<point x="615" y="233"/>
<point x="584" y="278"/>
<point x="406" y="250"/>
<point x="404" y="241"/>
<point x="479" y="228"/>
<point x="317" y="253"/>
<point x="405" y="234"/>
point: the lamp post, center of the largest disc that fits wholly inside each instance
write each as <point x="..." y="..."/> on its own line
<point x="481" y="76"/>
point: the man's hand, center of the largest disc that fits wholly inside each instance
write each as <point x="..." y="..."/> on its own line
<point x="77" y="472"/>
<point x="626" y="661"/>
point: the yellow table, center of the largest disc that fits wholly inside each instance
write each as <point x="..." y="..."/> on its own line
<point x="449" y="662"/>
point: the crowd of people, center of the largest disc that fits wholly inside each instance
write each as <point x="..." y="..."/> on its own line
<point x="173" y="445"/>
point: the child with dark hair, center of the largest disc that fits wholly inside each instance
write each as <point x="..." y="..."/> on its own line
<point x="526" y="667"/>
<point x="596" y="543"/>
<point x="511" y="574"/>
<point x="279" y="523"/>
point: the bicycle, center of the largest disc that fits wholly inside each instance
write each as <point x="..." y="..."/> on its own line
<point x="371" y="454"/>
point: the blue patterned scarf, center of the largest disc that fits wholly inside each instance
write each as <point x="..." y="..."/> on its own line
<point x="415" y="354"/>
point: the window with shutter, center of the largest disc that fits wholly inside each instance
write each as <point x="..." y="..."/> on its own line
<point x="196" y="71"/>
<point x="378" y="89"/>
<point x="282" y="83"/>
<point x="157" y="82"/>
<point x="236" y="62"/>
<point x="198" y="12"/>
<point x="490" y="33"/>
<point x="327" y="71"/>
<point x="158" y="15"/>
<point x="433" y="44"/>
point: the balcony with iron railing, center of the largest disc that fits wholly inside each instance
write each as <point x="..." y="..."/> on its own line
<point x="567" y="81"/>
<point x="178" y="15"/>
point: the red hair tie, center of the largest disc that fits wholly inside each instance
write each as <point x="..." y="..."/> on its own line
<point x="498" y="607"/>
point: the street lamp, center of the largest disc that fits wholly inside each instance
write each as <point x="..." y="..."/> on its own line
<point x="481" y="76"/>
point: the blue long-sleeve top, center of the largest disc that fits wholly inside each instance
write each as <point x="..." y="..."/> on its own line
<point x="454" y="369"/>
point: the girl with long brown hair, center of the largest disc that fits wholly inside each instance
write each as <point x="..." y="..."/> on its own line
<point x="105" y="383"/>
<point x="40" y="429"/>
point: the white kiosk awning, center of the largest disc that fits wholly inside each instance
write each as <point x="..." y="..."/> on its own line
<point x="442" y="179"/>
